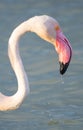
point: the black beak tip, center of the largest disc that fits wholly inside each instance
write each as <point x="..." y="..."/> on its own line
<point x="63" y="67"/>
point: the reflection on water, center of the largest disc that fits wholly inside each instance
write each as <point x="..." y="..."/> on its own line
<point x="55" y="102"/>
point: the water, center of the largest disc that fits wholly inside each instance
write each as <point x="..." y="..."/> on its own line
<point x="54" y="103"/>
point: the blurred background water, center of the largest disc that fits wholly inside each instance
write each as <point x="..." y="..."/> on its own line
<point x="55" y="102"/>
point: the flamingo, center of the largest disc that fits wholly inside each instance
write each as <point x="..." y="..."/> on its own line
<point x="46" y="28"/>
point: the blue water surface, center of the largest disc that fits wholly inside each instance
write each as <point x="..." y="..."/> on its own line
<point x="55" y="102"/>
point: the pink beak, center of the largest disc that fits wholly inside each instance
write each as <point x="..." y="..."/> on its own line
<point x="64" y="50"/>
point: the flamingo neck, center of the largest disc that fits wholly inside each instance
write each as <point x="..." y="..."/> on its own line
<point x="17" y="65"/>
<point x="14" y="101"/>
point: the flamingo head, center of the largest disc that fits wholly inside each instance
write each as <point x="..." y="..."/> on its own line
<point x="64" y="51"/>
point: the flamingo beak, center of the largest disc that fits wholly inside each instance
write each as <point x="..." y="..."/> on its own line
<point x="64" y="50"/>
<point x="63" y="67"/>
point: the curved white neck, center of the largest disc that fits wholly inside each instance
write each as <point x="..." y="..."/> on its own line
<point x="13" y="102"/>
<point x="16" y="62"/>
